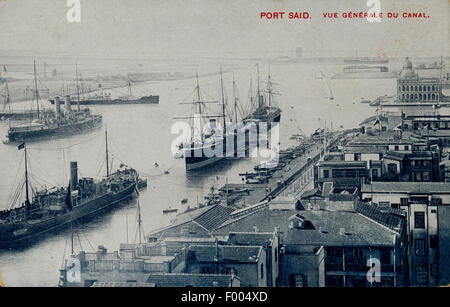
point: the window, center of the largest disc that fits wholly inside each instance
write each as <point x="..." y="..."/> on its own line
<point x="205" y="270"/>
<point x="406" y="146"/>
<point x="326" y="173"/>
<point x="298" y="280"/>
<point x="418" y="176"/>
<point x="419" y="220"/>
<point x="374" y="173"/>
<point x="384" y="128"/>
<point x="396" y="147"/>
<point x="357" y="157"/>
<point x="426" y="176"/>
<point x="421" y="274"/>
<point x="404" y="201"/>
<point x="392" y="168"/>
<point x="385" y="256"/>
<point x="419" y="247"/>
<point x="434" y="241"/>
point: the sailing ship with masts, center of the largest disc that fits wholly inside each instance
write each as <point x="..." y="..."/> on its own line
<point x="210" y="143"/>
<point x="7" y="112"/>
<point x="47" y="209"/>
<point x="60" y="123"/>
<point x="264" y="108"/>
<point x="101" y="97"/>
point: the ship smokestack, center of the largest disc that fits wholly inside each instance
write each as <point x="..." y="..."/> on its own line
<point x="73" y="175"/>
<point x="67" y="104"/>
<point x="57" y="107"/>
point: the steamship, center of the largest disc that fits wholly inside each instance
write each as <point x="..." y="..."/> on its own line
<point x="206" y="148"/>
<point x="265" y="110"/>
<point x="60" y="124"/>
<point x="54" y="208"/>
<point x="102" y="98"/>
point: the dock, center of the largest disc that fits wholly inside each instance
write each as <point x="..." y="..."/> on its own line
<point x="291" y="179"/>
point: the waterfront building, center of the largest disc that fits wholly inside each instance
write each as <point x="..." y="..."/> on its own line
<point x="417" y="93"/>
<point x="327" y="248"/>
<point x="427" y="208"/>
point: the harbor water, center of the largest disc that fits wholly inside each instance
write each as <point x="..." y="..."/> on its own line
<point x="140" y="136"/>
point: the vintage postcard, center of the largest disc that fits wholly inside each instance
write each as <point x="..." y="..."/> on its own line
<point x="212" y="143"/>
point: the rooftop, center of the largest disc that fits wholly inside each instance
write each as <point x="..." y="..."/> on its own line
<point x="208" y="217"/>
<point x="224" y="253"/>
<point x="194" y="280"/>
<point x="406" y="187"/>
<point x="99" y="284"/>
<point x="250" y="238"/>
<point x="326" y="229"/>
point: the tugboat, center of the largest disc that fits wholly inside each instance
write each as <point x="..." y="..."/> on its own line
<point x="54" y="208"/>
<point x="265" y="109"/>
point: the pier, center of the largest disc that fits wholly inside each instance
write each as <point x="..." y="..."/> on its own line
<point x="289" y="180"/>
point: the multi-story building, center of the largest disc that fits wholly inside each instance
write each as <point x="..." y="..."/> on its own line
<point x="417" y="94"/>
<point x="427" y="208"/>
<point x="327" y="248"/>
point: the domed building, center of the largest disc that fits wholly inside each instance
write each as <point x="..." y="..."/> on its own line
<point x="408" y="71"/>
<point x="412" y="88"/>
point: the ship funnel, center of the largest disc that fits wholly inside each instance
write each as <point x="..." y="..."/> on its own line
<point x="58" y="107"/>
<point x="67" y="104"/>
<point x="73" y="175"/>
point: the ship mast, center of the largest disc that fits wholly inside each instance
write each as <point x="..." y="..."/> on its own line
<point x="36" y="92"/>
<point x="78" y="86"/>
<point x="223" y="103"/>
<point x="27" y="201"/>
<point x="129" y="88"/>
<point x="269" y="90"/>
<point x="8" y="96"/>
<point x="140" y="230"/>
<point x="199" y="108"/>
<point x="258" y="101"/>
<point x="235" y="100"/>
<point x="107" y="154"/>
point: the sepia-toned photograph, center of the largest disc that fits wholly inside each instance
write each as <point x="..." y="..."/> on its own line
<point x="216" y="144"/>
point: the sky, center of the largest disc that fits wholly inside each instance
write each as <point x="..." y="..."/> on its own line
<point x="221" y="27"/>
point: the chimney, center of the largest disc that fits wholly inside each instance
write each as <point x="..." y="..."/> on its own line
<point x="67" y="104"/>
<point x="57" y="107"/>
<point x="73" y="175"/>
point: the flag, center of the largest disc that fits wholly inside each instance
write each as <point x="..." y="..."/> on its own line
<point x="69" y="199"/>
<point x="21" y="146"/>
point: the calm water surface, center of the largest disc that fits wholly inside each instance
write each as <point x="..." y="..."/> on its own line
<point x="141" y="136"/>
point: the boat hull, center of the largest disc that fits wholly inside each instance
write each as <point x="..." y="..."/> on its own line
<point x="16" y="136"/>
<point x="26" y="232"/>
<point x="143" y="100"/>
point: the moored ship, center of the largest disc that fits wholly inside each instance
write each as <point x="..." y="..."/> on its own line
<point x="51" y="209"/>
<point x="206" y="148"/>
<point x="102" y="98"/>
<point x="62" y="124"/>
<point x="265" y="110"/>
